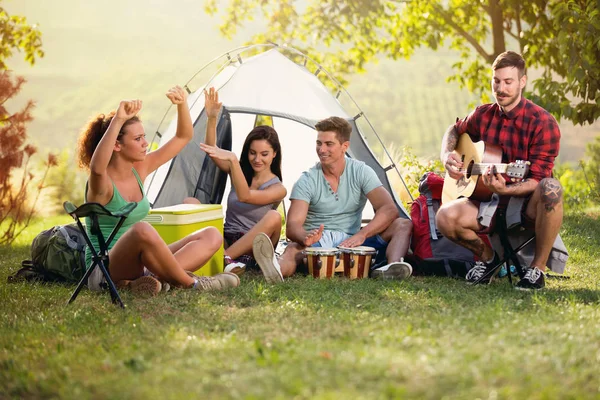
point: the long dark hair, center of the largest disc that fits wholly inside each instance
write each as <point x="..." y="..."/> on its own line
<point x="261" y="132"/>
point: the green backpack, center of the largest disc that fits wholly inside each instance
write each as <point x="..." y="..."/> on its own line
<point x="57" y="255"/>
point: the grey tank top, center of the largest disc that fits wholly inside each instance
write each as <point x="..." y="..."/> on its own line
<point x="241" y="217"/>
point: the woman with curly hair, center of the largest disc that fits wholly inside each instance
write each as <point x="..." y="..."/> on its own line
<point x="114" y="149"/>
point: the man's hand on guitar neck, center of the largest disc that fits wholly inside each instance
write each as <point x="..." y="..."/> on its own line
<point x="494" y="181"/>
<point x="453" y="165"/>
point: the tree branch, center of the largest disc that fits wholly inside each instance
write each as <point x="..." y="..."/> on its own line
<point x="448" y="19"/>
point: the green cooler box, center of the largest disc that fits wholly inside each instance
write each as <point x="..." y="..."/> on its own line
<point x="176" y="222"/>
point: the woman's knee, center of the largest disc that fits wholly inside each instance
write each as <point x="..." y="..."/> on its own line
<point x="145" y="233"/>
<point x="273" y="218"/>
<point x="212" y="237"/>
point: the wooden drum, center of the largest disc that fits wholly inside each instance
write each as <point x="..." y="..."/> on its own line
<point x="321" y="261"/>
<point x="357" y="261"/>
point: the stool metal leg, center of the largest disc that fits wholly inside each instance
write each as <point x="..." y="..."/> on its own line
<point x="81" y="284"/>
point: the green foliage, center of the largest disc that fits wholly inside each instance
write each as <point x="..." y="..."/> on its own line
<point x="17" y="34"/>
<point x="414" y="168"/>
<point x="567" y="46"/>
<point x="576" y="191"/>
<point x="591" y="168"/>
<point x="66" y="182"/>
<point x="424" y="338"/>
<point x="581" y="185"/>
<point x="556" y="35"/>
<point x="411" y="168"/>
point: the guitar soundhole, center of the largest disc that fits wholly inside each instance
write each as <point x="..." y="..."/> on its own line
<point x="469" y="171"/>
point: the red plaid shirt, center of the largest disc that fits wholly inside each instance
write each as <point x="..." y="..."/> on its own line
<point x="527" y="132"/>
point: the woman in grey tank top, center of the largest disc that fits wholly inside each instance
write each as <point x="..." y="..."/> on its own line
<point x="256" y="187"/>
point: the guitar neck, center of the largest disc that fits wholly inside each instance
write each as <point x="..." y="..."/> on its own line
<point x="479" y="168"/>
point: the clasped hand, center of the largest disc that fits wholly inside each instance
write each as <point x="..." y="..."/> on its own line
<point x="177" y="95"/>
<point x="128" y="109"/>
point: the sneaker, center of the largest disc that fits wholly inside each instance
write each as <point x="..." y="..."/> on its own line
<point x="142" y="286"/>
<point x="164" y="285"/>
<point x="266" y="259"/>
<point x="534" y="279"/>
<point x="394" y="270"/>
<point x="235" y="267"/>
<point x="481" y="273"/>
<point x="217" y="282"/>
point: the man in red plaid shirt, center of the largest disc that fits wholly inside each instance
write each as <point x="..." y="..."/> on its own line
<point x="524" y="131"/>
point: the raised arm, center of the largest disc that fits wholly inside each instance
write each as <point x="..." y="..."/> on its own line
<point x="183" y="135"/>
<point x="100" y="186"/>
<point x="273" y="194"/>
<point x="212" y="108"/>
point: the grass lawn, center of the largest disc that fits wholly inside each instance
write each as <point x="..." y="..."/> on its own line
<point x="422" y="338"/>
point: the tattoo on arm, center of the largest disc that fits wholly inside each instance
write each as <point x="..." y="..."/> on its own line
<point x="551" y="194"/>
<point x="477" y="246"/>
<point x="450" y="141"/>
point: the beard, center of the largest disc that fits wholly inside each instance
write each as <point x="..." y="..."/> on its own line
<point x="503" y="100"/>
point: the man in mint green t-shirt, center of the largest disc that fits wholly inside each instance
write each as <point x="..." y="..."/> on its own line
<point x="326" y="210"/>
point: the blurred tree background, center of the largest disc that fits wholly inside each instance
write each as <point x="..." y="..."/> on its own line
<point x="17" y="179"/>
<point x="411" y="65"/>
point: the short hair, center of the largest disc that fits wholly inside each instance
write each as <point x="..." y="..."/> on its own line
<point x="340" y="126"/>
<point x="510" y="59"/>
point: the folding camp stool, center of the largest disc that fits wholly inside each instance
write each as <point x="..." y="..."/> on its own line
<point x="99" y="256"/>
<point x="510" y="253"/>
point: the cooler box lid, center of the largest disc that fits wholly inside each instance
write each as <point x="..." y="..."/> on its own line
<point x="182" y="214"/>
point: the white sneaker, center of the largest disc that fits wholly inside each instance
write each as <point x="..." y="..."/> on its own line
<point x="266" y="259"/>
<point x="394" y="270"/>
<point x="237" y="268"/>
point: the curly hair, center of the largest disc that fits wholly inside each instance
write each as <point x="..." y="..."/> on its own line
<point x="92" y="134"/>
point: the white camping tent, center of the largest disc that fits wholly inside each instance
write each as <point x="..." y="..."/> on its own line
<point x="265" y="80"/>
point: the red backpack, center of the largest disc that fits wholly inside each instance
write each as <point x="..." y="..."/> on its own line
<point x="434" y="254"/>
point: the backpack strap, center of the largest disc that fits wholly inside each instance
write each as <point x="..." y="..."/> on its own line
<point x="431" y="213"/>
<point x="448" y="269"/>
<point x="70" y="242"/>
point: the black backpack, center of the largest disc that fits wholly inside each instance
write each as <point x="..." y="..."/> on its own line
<point x="57" y="255"/>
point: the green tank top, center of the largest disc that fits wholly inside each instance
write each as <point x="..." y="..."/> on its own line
<point x="108" y="223"/>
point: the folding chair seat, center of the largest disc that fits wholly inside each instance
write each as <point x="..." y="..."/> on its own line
<point x="100" y="255"/>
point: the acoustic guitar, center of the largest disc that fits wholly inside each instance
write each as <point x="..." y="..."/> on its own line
<point x="476" y="158"/>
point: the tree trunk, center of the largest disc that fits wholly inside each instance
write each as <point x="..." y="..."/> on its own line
<point x="497" y="28"/>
